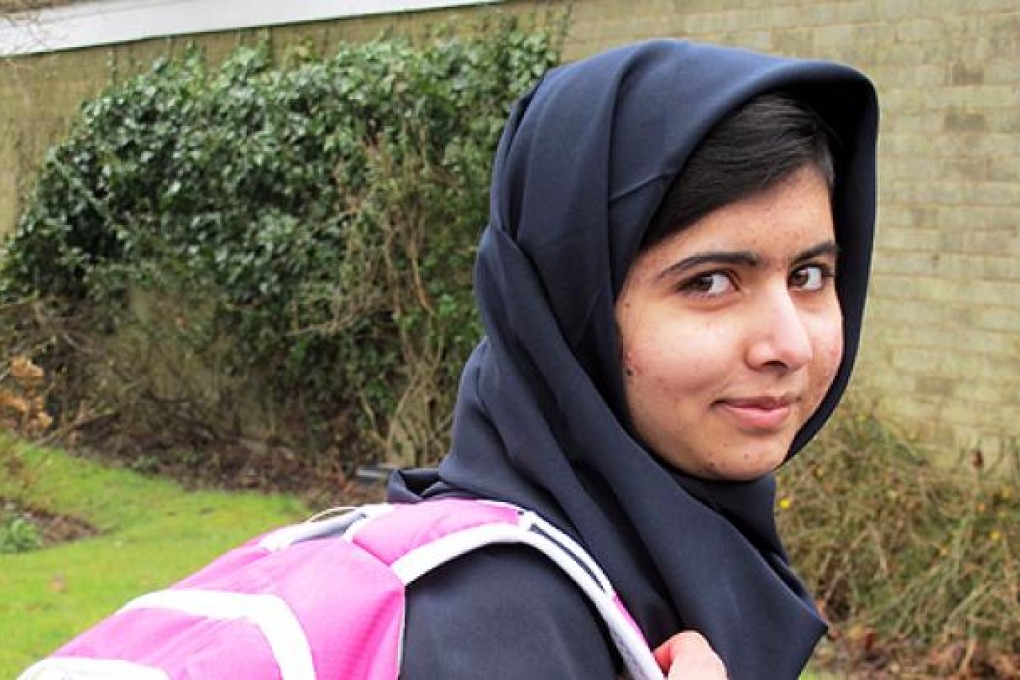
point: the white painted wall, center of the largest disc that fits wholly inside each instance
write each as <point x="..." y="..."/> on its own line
<point x="105" y="22"/>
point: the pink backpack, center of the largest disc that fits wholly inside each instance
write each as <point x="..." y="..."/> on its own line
<point x="321" y="600"/>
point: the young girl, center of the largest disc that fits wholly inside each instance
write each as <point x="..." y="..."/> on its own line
<point x="672" y="283"/>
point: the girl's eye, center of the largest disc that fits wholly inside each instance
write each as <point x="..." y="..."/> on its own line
<point x="812" y="277"/>
<point x="708" y="285"/>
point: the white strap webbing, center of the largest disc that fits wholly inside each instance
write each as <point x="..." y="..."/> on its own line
<point x="565" y="553"/>
<point x="269" y="613"/>
<point x="325" y="524"/>
<point x="79" y="668"/>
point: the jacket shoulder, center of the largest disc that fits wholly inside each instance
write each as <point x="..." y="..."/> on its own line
<point x="507" y="611"/>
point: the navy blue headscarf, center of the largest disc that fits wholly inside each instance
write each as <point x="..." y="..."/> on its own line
<point x="583" y="163"/>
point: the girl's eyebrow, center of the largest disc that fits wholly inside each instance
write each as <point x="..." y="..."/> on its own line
<point x="827" y="248"/>
<point x="744" y="258"/>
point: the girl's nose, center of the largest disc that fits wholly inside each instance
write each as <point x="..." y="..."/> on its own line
<point x="779" y="333"/>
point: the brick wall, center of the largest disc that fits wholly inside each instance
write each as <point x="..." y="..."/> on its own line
<point x="942" y="338"/>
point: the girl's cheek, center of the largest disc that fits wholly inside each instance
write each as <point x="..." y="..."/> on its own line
<point x="831" y="354"/>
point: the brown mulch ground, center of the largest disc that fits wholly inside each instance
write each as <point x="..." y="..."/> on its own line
<point x="52" y="528"/>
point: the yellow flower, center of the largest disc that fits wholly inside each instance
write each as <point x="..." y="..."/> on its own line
<point x="784" y="503"/>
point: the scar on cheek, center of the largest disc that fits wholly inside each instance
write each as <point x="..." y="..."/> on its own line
<point x="628" y="364"/>
<point x="628" y="370"/>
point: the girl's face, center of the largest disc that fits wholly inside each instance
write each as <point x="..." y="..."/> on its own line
<point x="731" y="332"/>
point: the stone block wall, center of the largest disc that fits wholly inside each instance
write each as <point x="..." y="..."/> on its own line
<point x="942" y="338"/>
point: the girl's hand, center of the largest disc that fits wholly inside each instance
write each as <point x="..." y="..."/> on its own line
<point x="688" y="656"/>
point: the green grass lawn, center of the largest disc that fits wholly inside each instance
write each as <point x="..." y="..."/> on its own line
<point x="152" y="533"/>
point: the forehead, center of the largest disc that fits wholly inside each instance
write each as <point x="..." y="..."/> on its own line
<point x="777" y="223"/>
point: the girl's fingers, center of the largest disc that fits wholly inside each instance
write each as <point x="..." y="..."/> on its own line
<point x="688" y="656"/>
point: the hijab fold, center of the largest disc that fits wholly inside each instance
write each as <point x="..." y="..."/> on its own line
<point x="583" y="163"/>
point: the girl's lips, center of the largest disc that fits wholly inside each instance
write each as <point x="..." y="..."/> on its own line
<point x="764" y="413"/>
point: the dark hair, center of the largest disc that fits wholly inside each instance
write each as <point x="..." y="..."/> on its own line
<point x="753" y="149"/>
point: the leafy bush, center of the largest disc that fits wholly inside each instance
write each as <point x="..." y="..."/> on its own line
<point x="917" y="566"/>
<point x="278" y="250"/>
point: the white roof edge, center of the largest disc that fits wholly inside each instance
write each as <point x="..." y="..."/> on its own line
<point x="107" y="22"/>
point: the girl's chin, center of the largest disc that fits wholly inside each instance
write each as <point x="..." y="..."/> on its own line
<point x="754" y="463"/>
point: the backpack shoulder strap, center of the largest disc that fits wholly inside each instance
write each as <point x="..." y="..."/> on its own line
<point x="445" y="529"/>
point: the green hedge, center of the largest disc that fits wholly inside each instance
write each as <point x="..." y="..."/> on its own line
<point x="295" y="236"/>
